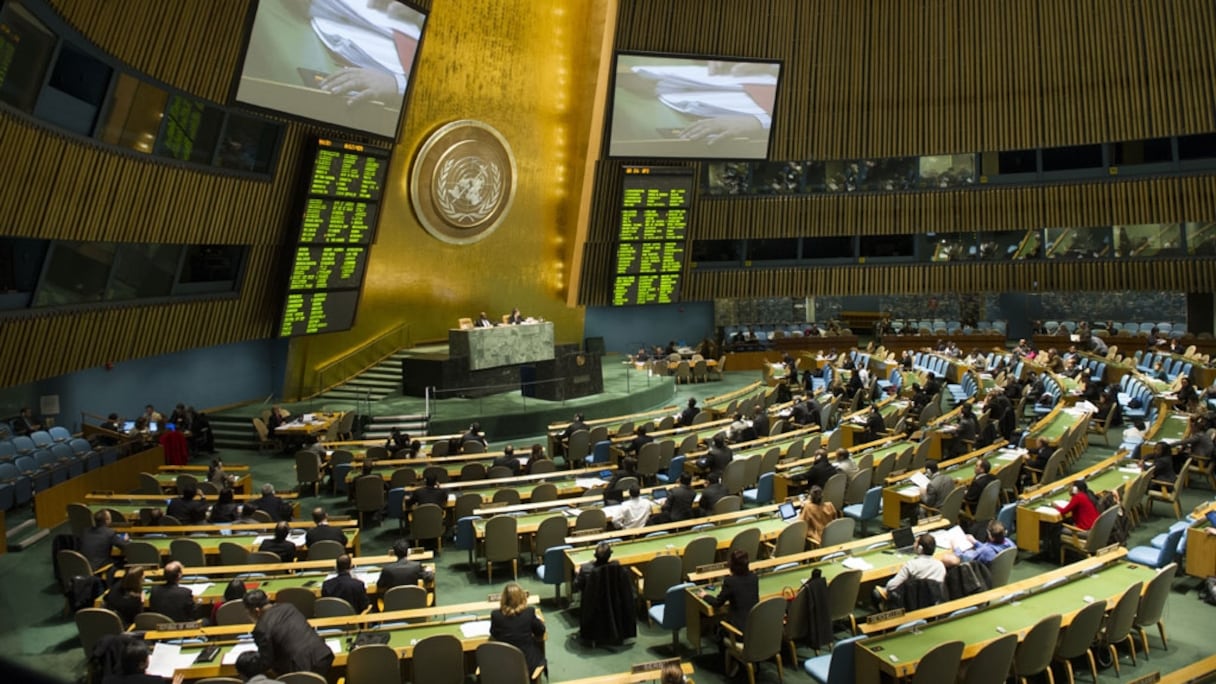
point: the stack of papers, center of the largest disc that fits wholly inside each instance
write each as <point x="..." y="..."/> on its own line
<point x="475" y="628"/>
<point x="166" y="658"/>
<point x="854" y="563"/>
<point x="235" y="652"/>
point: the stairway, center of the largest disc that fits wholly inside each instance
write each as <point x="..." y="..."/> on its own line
<point x="373" y="384"/>
<point x="233" y="431"/>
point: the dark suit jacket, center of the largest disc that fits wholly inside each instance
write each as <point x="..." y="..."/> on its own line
<point x="976" y="488"/>
<point x="710" y="496"/>
<point x="288" y="643"/>
<point x="174" y="601"/>
<point x="687" y="415"/>
<point x="346" y="587"/>
<point x="285" y="549"/>
<point x="325" y="533"/>
<point x="678" y="503"/>
<point x="741" y="592"/>
<point x="426" y="495"/>
<point x="522" y="631"/>
<point x="402" y="573"/>
<point x="96" y="542"/>
<point x="274" y="506"/>
<point x="192" y="512"/>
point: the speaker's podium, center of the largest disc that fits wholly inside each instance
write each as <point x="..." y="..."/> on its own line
<point x="485" y="361"/>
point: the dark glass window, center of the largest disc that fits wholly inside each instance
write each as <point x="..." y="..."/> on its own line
<point x="26" y="46"/>
<point x="75" y="273"/>
<point x="191" y="130"/>
<point x="887" y="246"/>
<point x="247" y="144"/>
<point x="828" y="248"/>
<point x="709" y="251"/>
<point x="1075" y="157"/>
<point x="1154" y="151"/>
<point x="1197" y="146"/>
<point x="1017" y="161"/>
<point x="779" y="249"/>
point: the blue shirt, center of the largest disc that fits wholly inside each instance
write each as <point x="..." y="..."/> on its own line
<point x="984" y="552"/>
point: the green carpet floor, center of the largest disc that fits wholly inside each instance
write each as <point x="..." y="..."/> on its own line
<point x="34" y="633"/>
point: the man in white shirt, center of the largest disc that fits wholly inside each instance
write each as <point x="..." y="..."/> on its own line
<point x="923" y="566"/>
<point x="634" y="511"/>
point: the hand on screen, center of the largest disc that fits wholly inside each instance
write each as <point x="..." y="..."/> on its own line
<point x="719" y="128"/>
<point x="361" y="85"/>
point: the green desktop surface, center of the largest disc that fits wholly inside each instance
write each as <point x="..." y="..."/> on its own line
<point x="982" y="626"/>
<point x="675" y="543"/>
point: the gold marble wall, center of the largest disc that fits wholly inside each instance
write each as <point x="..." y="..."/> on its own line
<point x="529" y="69"/>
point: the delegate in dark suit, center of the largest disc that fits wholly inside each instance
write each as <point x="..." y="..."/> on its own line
<point x="678" y="504"/>
<point x="741" y="592"/>
<point x="96" y="542"/>
<point x="325" y="533"/>
<point x="172" y="600"/>
<point x="289" y="643"/>
<point x="402" y="573"/>
<point x="523" y="631"/>
<point x="352" y="590"/>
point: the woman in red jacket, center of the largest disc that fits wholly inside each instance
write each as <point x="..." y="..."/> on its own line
<point x="1081" y="506"/>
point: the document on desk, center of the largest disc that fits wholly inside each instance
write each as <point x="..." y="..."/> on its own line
<point x="475" y="628"/>
<point x="166" y="658"/>
<point x="236" y="651"/>
<point x="854" y="563"/>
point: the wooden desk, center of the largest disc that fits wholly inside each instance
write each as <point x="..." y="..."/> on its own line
<point x="900" y="494"/>
<point x="897" y="654"/>
<point x="402" y="638"/>
<point x="1033" y="504"/>
<point x="631" y="677"/>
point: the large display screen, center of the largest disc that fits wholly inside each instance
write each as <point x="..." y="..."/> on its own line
<point x="337" y="228"/>
<point x="309" y="313"/>
<point x="666" y="106"/>
<point x="342" y="62"/>
<point x="651" y="242"/>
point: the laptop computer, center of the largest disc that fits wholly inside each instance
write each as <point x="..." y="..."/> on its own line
<point x="787" y="511"/>
<point x="904" y="539"/>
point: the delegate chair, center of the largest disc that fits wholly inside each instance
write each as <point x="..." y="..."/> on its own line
<point x="1033" y="655"/>
<point x="1152" y="605"/>
<point x="838" y="666"/>
<point x="670" y="613"/>
<point x="760" y="639"/>
<point x="373" y="664"/>
<point x="426" y="522"/>
<point x="94" y="623"/>
<point x="1119" y="624"/>
<point x="499" y="663"/>
<point x="438" y="659"/>
<point x="1077" y="638"/>
<point x="997" y="656"/>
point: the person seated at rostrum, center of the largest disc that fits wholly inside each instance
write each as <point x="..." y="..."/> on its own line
<point x="922" y="566"/>
<point x="343" y="586"/>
